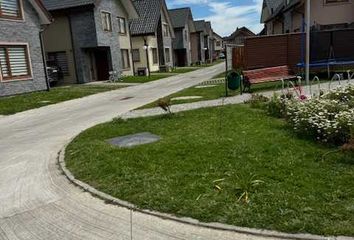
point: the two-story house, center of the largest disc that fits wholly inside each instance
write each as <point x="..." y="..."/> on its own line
<point x="286" y="16"/>
<point x="197" y="42"/>
<point x="218" y="45"/>
<point x="22" y="68"/>
<point x="208" y="42"/>
<point x="89" y="38"/>
<point x="183" y="24"/>
<point x="152" y="34"/>
<point x="238" y="36"/>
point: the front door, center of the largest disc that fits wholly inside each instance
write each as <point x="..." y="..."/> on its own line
<point x="102" y="65"/>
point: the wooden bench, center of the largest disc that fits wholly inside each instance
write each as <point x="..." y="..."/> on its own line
<point x="264" y="75"/>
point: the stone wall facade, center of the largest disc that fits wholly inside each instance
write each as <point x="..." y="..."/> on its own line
<point x="26" y="32"/>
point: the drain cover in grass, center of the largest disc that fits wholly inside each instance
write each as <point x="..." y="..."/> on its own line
<point x="134" y="140"/>
<point x="205" y="86"/>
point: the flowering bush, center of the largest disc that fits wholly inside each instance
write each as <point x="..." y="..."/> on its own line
<point x="328" y="118"/>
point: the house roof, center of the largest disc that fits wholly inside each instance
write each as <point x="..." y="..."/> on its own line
<point x="149" y="15"/>
<point x="63" y="4"/>
<point x="53" y="5"/>
<point x="208" y="27"/>
<point x="240" y="31"/>
<point x="149" y="12"/>
<point x="43" y="14"/>
<point x="200" y="26"/>
<point x="217" y="35"/>
<point x="180" y="17"/>
<point x="273" y="6"/>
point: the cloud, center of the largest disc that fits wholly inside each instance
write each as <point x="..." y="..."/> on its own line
<point x="227" y="15"/>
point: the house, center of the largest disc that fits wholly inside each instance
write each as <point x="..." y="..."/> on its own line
<point x="152" y="36"/>
<point x="218" y="45"/>
<point x="286" y="16"/>
<point x="238" y="36"/>
<point x="89" y="38"/>
<point x="183" y="24"/>
<point x="197" y="42"/>
<point x="209" y="43"/>
<point x="22" y="68"/>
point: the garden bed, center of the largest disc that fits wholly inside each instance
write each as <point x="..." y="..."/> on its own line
<point x="233" y="165"/>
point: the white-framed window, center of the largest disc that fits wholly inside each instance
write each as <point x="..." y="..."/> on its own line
<point x="125" y="58"/>
<point x="106" y="21"/>
<point x="167" y="55"/>
<point x="136" y="55"/>
<point x="14" y="62"/>
<point x="122" y="26"/>
<point x="11" y="9"/>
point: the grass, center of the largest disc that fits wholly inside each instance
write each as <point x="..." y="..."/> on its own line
<point x="212" y="93"/>
<point x="208" y="160"/>
<point x="184" y="69"/>
<point x="23" y="102"/>
<point x="144" y="79"/>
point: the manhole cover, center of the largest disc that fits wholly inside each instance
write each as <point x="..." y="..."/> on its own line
<point x="134" y="140"/>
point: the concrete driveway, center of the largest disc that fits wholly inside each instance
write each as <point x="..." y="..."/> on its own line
<point x="38" y="202"/>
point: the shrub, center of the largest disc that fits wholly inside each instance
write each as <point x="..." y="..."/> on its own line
<point x="328" y="118"/>
<point x="165" y="104"/>
<point x="276" y="106"/>
<point x="257" y="101"/>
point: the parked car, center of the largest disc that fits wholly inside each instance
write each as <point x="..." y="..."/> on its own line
<point x="222" y="56"/>
<point x="54" y="73"/>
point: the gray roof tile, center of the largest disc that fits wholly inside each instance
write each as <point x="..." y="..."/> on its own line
<point x="149" y="12"/>
<point x="52" y="5"/>
<point x="200" y="26"/>
<point x="180" y="17"/>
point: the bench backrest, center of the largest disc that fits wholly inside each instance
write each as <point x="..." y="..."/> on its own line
<point x="279" y="71"/>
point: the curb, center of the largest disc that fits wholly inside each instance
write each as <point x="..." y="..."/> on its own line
<point x="216" y="226"/>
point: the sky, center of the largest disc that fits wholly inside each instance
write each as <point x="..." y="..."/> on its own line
<point x="225" y="15"/>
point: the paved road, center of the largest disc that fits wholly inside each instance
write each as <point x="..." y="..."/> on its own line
<point x="38" y="202"/>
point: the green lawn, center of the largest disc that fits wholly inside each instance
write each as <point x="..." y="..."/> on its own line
<point x="213" y="93"/>
<point x="184" y="69"/>
<point x="23" y="102"/>
<point x="144" y="79"/>
<point x="209" y="160"/>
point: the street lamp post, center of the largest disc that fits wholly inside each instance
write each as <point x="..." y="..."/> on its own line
<point x="146" y="48"/>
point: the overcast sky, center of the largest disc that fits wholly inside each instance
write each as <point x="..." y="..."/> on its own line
<point x="225" y="15"/>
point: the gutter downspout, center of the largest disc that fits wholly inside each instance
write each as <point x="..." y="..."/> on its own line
<point x="73" y="47"/>
<point x="43" y="57"/>
<point x="131" y="51"/>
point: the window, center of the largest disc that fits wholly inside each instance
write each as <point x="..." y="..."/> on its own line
<point x="218" y="43"/>
<point x="154" y="56"/>
<point x="122" y="25"/>
<point x="14" y="62"/>
<point x="336" y="1"/>
<point x="59" y="59"/>
<point x="165" y="30"/>
<point x="125" y="58"/>
<point x="167" y="55"/>
<point x="10" y="9"/>
<point x="106" y="21"/>
<point x="136" y="55"/>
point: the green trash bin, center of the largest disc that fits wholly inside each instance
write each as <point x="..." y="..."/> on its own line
<point x="233" y="80"/>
